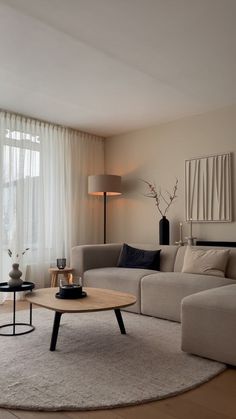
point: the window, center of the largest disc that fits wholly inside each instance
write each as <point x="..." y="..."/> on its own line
<point x="21" y="171"/>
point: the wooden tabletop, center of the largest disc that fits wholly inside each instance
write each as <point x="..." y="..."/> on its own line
<point x="97" y="299"/>
<point x="60" y="271"/>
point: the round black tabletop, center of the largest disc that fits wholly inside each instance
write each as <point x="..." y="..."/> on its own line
<point x="4" y="287"/>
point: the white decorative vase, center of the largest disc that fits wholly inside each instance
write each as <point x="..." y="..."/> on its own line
<point x="15" y="276"/>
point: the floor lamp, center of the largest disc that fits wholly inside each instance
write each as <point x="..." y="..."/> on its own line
<point x="105" y="185"/>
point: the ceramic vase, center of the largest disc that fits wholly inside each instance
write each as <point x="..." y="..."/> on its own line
<point x="164" y="231"/>
<point x="15" y="276"/>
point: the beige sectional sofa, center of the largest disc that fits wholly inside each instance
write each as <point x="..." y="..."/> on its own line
<point x="205" y="304"/>
<point x="159" y="293"/>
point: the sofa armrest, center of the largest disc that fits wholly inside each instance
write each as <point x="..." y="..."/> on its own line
<point x="93" y="256"/>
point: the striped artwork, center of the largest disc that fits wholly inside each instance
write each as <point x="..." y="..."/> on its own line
<point x="208" y="188"/>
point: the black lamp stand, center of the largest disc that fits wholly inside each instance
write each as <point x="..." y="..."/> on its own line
<point x="105" y="217"/>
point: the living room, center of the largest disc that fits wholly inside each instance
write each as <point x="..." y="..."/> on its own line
<point x="134" y="89"/>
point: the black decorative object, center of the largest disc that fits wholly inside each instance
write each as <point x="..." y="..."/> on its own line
<point x="61" y="263"/>
<point x="163" y="203"/>
<point x="131" y="257"/>
<point x="164" y="231"/>
<point x="73" y="295"/>
<point x="70" y="290"/>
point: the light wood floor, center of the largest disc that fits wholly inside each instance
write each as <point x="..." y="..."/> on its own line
<point x="213" y="400"/>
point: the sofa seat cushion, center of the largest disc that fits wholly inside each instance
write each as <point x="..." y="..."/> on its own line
<point x="118" y="279"/>
<point x="162" y="293"/>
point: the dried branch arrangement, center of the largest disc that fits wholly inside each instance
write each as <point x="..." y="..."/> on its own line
<point x="161" y="199"/>
<point x="17" y="254"/>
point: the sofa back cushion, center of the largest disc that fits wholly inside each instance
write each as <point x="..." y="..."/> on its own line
<point x="231" y="265"/>
<point x="132" y="257"/>
<point x="205" y="262"/>
<point x="167" y="255"/>
<point x="230" y="271"/>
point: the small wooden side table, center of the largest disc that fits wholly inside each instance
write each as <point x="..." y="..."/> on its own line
<point x="66" y="272"/>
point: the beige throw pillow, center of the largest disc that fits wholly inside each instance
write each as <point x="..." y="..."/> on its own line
<point x="206" y="262"/>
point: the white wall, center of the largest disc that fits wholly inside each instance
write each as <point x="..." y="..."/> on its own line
<point x="158" y="154"/>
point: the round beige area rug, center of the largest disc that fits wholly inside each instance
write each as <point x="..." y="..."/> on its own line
<point x="94" y="366"/>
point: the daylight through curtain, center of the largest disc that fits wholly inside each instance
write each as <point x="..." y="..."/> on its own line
<point x="44" y="203"/>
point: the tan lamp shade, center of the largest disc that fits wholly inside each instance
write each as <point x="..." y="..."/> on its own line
<point x="98" y="184"/>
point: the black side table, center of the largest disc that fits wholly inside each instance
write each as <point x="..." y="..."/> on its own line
<point x="26" y="286"/>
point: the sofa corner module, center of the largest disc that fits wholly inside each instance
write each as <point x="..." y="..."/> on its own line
<point x="92" y="256"/>
<point x="208" y="324"/>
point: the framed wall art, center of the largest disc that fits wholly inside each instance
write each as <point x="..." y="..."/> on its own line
<point x="208" y="188"/>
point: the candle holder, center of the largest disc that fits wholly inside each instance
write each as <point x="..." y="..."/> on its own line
<point x="180" y="242"/>
<point x="190" y="240"/>
<point x="61" y="263"/>
<point x="70" y="290"/>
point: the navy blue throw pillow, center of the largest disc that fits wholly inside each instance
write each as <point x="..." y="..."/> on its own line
<point x="130" y="257"/>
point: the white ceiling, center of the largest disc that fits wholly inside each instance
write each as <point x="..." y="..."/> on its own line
<point x="111" y="66"/>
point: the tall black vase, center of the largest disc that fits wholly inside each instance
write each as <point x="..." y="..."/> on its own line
<point x="164" y="231"/>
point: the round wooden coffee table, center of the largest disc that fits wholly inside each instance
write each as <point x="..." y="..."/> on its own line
<point x="97" y="299"/>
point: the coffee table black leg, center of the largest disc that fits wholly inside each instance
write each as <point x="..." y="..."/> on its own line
<point x="120" y="321"/>
<point x="55" y="329"/>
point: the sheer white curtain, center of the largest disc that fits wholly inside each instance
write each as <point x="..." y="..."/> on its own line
<point x="44" y="203"/>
